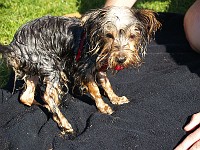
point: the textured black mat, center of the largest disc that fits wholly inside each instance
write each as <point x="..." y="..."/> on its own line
<point x="163" y="93"/>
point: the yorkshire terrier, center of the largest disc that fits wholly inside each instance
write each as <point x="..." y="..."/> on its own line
<point x="54" y="51"/>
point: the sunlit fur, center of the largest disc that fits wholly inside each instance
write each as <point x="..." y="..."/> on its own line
<point x="45" y="51"/>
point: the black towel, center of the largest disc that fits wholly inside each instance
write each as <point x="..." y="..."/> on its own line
<point x="164" y="92"/>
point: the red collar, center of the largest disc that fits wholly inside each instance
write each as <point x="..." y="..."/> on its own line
<point x="80" y="49"/>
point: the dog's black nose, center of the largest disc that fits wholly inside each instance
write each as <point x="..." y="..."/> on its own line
<point x="121" y="59"/>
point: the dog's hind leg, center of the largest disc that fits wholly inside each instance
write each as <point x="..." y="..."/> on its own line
<point x="51" y="98"/>
<point x="27" y="96"/>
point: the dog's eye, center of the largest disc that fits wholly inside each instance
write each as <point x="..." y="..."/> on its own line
<point x="132" y="36"/>
<point x="109" y="35"/>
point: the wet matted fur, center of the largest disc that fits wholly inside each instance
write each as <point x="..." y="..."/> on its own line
<point x="53" y="50"/>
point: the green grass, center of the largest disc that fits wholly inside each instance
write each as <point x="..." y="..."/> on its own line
<point x="176" y="6"/>
<point x="14" y="13"/>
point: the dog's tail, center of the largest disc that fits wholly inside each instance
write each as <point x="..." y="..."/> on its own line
<point x="5" y="48"/>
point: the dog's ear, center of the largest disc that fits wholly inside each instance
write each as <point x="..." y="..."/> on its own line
<point x="85" y="17"/>
<point x="148" y="19"/>
<point x="90" y="16"/>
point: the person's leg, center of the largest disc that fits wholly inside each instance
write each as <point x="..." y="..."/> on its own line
<point x="192" y="25"/>
<point x="128" y="3"/>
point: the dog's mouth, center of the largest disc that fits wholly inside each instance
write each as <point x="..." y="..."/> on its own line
<point x="119" y="67"/>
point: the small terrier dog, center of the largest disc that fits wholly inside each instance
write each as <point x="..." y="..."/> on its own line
<point x="54" y="51"/>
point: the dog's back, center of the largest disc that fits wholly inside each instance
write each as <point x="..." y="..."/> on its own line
<point x="42" y="43"/>
<point x="49" y="33"/>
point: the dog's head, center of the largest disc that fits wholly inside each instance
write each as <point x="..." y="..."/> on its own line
<point x="119" y="35"/>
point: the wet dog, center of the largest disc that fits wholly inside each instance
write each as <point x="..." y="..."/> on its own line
<point x="56" y="50"/>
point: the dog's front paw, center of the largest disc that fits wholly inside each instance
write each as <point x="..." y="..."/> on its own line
<point x="119" y="100"/>
<point x="66" y="127"/>
<point x="63" y="124"/>
<point x="106" y="109"/>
